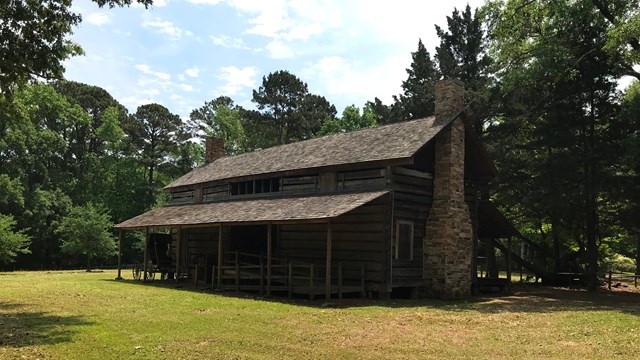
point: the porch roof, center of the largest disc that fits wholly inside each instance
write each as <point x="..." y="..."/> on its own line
<point x="289" y="209"/>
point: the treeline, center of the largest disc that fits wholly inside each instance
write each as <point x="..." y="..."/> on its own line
<point x="541" y="90"/>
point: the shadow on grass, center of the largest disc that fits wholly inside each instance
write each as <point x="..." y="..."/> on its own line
<point x="529" y="298"/>
<point x="23" y="328"/>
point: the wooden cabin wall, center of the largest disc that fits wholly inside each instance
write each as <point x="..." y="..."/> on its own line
<point x="412" y="198"/>
<point x="358" y="238"/>
<point x="199" y="246"/>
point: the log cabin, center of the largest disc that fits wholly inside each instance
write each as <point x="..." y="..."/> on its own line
<point x="385" y="209"/>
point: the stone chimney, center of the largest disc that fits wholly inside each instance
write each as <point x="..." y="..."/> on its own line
<point x="448" y="245"/>
<point x="213" y="149"/>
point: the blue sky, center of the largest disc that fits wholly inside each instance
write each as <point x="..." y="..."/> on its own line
<point x="181" y="53"/>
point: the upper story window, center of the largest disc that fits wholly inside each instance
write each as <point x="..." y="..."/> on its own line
<point x="255" y="186"/>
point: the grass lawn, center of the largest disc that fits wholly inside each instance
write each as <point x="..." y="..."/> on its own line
<point x="78" y="315"/>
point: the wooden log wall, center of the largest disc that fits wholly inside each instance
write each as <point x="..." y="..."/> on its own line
<point x="215" y="192"/>
<point x="413" y="195"/>
<point x="199" y="247"/>
<point x="358" y="238"/>
<point x="182" y="197"/>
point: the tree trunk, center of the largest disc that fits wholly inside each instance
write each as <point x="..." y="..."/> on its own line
<point x="88" y="263"/>
<point x="638" y="253"/>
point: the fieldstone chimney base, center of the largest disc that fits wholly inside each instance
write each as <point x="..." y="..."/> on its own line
<point x="448" y="246"/>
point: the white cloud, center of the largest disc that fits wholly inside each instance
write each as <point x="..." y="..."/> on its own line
<point x="235" y="79"/>
<point x="279" y="50"/>
<point x="193" y="72"/>
<point x="132" y="102"/>
<point x="229" y="42"/>
<point x="357" y="82"/>
<point x="185" y="87"/>
<point x="156" y="3"/>
<point x="97" y="18"/>
<point x="204" y="2"/>
<point x="166" y="27"/>
<point x="147" y="70"/>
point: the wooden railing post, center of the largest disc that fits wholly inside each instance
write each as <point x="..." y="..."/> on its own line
<point x="220" y="257"/>
<point x="311" y="281"/>
<point x="120" y="236"/>
<point x="146" y="253"/>
<point x="362" y="273"/>
<point x="327" y="282"/>
<point x="340" y="280"/>
<point x="610" y="273"/>
<point x="237" y="275"/>
<point x="290" y="280"/>
<point x="261" y="275"/>
<point x="269" y="260"/>
<point x="213" y="277"/>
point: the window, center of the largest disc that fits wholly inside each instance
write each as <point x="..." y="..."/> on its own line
<point x="255" y="186"/>
<point x="404" y="240"/>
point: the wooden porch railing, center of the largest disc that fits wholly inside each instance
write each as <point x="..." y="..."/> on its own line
<point x="248" y="272"/>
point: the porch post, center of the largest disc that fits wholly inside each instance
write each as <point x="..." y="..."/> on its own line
<point x="269" y="255"/>
<point x="327" y="284"/>
<point x="509" y="263"/>
<point x="146" y="253"/>
<point x="178" y="254"/>
<point x="120" y="254"/>
<point x="220" y="256"/>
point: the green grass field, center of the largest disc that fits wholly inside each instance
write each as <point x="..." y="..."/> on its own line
<point x="78" y="315"/>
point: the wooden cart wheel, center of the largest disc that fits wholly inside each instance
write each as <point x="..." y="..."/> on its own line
<point x="150" y="274"/>
<point x="137" y="272"/>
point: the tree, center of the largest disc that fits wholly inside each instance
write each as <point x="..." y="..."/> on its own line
<point x="156" y="133"/>
<point x="287" y="106"/>
<point x="418" y="98"/>
<point x="220" y="118"/>
<point x="12" y="242"/>
<point x="351" y="120"/>
<point x="462" y="55"/>
<point x="34" y="38"/>
<point x="560" y="102"/>
<point x="85" y="232"/>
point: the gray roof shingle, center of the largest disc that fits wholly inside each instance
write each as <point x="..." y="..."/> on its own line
<point x="308" y="208"/>
<point x="390" y="142"/>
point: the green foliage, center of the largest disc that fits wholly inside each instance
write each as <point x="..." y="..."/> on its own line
<point x="418" y="98"/>
<point x="35" y="39"/>
<point x="462" y="55"/>
<point x="619" y="263"/>
<point x="291" y="111"/>
<point x="156" y="133"/>
<point x="12" y="242"/>
<point x="85" y="232"/>
<point x="351" y="120"/>
<point x="220" y="118"/>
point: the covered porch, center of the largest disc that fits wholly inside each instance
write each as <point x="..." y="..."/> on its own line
<point x="293" y="245"/>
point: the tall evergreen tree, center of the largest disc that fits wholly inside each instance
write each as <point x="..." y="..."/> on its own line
<point x="418" y="97"/>
<point x="462" y="55"/>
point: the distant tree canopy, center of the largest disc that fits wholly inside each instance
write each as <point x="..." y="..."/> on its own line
<point x="292" y="112"/>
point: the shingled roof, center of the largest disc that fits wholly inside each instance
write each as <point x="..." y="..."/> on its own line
<point x="391" y="142"/>
<point x="307" y="208"/>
